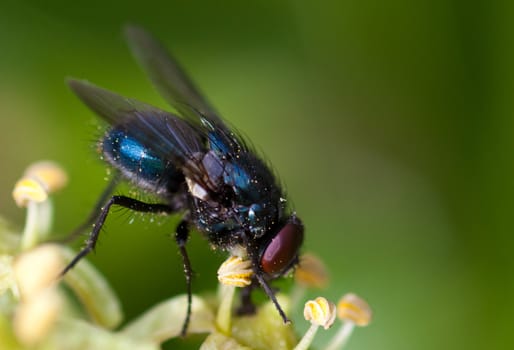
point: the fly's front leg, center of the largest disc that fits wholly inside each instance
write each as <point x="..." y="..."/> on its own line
<point x="122" y="201"/>
<point x="264" y="283"/>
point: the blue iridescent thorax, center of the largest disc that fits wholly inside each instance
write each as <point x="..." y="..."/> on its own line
<point x="139" y="163"/>
<point x="255" y="199"/>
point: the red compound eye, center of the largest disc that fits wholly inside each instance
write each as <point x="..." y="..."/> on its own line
<point x="283" y="248"/>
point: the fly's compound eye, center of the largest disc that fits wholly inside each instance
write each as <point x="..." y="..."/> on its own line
<point x="282" y="250"/>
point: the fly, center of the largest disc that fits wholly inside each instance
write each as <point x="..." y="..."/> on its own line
<point x="197" y="167"/>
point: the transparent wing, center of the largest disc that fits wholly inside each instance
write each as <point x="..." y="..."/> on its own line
<point x="180" y="92"/>
<point x="171" y="137"/>
<point x="168" y="77"/>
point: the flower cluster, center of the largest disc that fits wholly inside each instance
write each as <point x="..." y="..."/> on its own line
<point x="37" y="310"/>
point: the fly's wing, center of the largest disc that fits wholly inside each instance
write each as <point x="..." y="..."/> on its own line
<point x="170" y="137"/>
<point x="168" y="77"/>
<point x="179" y="91"/>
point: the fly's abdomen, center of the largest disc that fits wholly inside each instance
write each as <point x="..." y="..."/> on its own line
<point x="139" y="163"/>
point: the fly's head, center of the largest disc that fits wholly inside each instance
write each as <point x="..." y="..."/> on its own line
<point x="278" y="252"/>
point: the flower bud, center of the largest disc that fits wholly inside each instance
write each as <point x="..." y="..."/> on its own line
<point x="35" y="318"/>
<point x="37" y="269"/>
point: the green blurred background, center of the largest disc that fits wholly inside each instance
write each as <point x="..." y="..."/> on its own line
<point x="390" y="122"/>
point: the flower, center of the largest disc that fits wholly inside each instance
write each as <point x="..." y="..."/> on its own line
<point x="320" y="312"/>
<point x="36" y="313"/>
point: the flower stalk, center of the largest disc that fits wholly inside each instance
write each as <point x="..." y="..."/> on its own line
<point x="32" y="191"/>
<point x="234" y="272"/>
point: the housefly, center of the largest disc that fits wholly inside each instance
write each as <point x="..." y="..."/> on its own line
<point x="197" y="167"/>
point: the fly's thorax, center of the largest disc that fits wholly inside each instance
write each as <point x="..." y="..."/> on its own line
<point x="258" y="218"/>
<point x="237" y="193"/>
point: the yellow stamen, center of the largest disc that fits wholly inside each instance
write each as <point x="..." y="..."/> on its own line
<point x="51" y="175"/>
<point x="235" y="272"/>
<point x="353" y="308"/>
<point x="311" y="272"/>
<point x="320" y="311"/>
<point x="29" y="190"/>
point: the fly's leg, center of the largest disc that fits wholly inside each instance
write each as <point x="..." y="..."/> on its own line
<point x="107" y="192"/>
<point x="181" y="237"/>
<point x="271" y="294"/>
<point x="122" y="201"/>
<point x="247" y="306"/>
<point x="259" y="276"/>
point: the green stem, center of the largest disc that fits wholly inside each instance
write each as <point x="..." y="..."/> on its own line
<point x="30" y="232"/>
<point x="307" y="338"/>
<point x="223" y="318"/>
<point x="342" y="336"/>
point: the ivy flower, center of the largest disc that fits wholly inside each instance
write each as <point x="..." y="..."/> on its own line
<point x="37" y="310"/>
